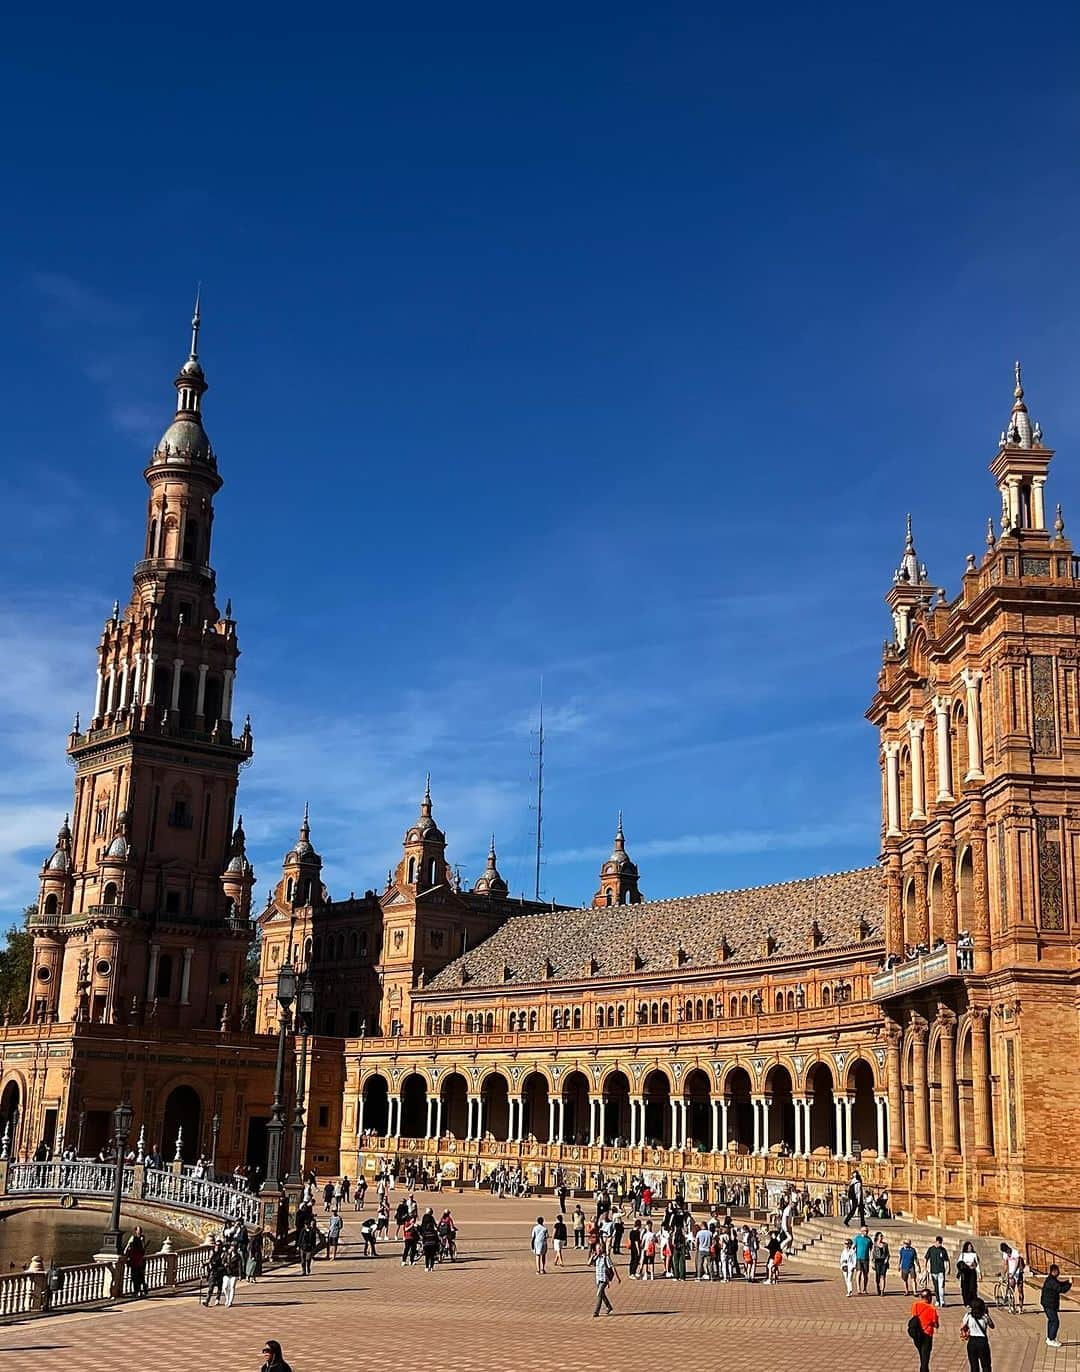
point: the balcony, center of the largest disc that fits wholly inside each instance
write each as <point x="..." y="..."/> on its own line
<point x="939" y="965"/>
<point x="153" y="565"/>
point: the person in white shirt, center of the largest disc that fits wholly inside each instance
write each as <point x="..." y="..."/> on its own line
<point x="702" y="1244"/>
<point x="848" y="1263"/>
<point x="539" y="1244"/>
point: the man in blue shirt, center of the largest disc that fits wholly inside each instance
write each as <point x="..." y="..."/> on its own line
<point x="863" y="1246"/>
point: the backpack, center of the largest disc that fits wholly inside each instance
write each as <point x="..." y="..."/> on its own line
<point x="915" y="1329"/>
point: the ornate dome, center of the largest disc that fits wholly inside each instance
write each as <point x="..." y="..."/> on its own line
<point x="118" y="848"/>
<point x="490" y="883"/>
<point x="60" y="858"/>
<point x="184" y="440"/>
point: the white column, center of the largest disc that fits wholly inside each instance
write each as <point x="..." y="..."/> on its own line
<point x="766" y="1125"/>
<point x="438" y="1117"/>
<point x="99" y="694"/>
<point x="200" y="699"/>
<point x="151" y="974"/>
<point x="944" y="751"/>
<point x="798" y="1126"/>
<point x="121" y="698"/>
<point x="148" y="684"/>
<point x="226" y="695"/>
<point x="1014" y="502"/>
<point x="178" y="665"/>
<point x="972" y="681"/>
<point x="892" y="788"/>
<point x="838" y="1106"/>
<point x="561" y="1122"/>
<point x="882" y="1144"/>
<point x="185" y="976"/>
<point x="551" y="1120"/>
<point x="755" y="1101"/>
<point x="715" y="1125"/>
<point x="109" y="688"/>
<point x="1038" y="507"/>
<point x="918" y="786"/>
<point x="674" y="1104"/>
<point x="723" y="1125"/>
<point x="136" y="680"/>
<point x="847" y="1103"/>
<point x="429" y="1107"/>
<point x="360" y="1113"/>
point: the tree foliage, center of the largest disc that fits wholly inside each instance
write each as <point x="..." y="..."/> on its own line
<point x="16" y="959"/>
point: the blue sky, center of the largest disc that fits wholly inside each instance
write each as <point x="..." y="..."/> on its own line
<point x="610" y="343"/>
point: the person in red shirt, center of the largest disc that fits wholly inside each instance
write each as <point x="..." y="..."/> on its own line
<point x="926" y="1314"/>
<point x="646" y="1200"/>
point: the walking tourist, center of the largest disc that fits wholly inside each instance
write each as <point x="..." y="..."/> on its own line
<point x="937" y="1267"/>
<point x="253" y="1266"/>
<point x="333" y="1235"/>
<point x="606" y="1273"/>
<point x="539" y="1245"/>
<point x="633" y="1242"/>
<point x="775" y="1250"/>
<point x="579" y="1227"/>
<point x="428" y="1232"/>
<point x="369" y="1230"/>
<point x="975" y="1331"/>
<point x="1053" y="1288"/>
<point x="231" y="1274"/>
<point x="558" y="1239"/>
<point x="969" y="1272"/>
<point x="864" y="1246"/>
<point x="135" y="1256"/>
<point x="908" y="1258"/>
<point x="856" y="1196"/>
<point x="360" y="1193"/>
<point x="411" y="1241"/>
<point x="648" y="1252"/>
<point x="273" y="1361"/>
<point x="879" y="1256"/>
<point x="214" y="1271"/>
<point x="848" y="1264"/>
<point x="922" y="1326"/>
<point x="306" y="1242"/>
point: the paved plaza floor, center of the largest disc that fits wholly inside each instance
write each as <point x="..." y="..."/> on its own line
<point x="491" y="1312"/>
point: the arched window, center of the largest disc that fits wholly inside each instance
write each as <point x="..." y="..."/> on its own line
<point x="556" y="1019"/>
<point x="734" y="1006"/>
<point x="307" y="951"/>
<point x="599" y="1017"/>
<point x="52" y="905"/>
<point x="429" y="1025"/>
<point x="490" y="1023"/>
<point x="151" y="543"/>
<point x="826" y="995"/>
<point x="511" y="1022"/>
<point x="654" y="1013"/>
<point x="354" y="944"/>
<point x="779" y="1002"/>
<point x="433" y="872"/>
<point x="745" y="1006"/>
<point x="577" y="1016"/>
<point x="790" y="1001"/>
<point x="607" y="895"/>
<point x="700" y="1010"/>
<point x="611" y="1017"/>
<point x="643" y="1014"/>
<point x="710" y="1009"/>
<point x="468" y="1024"/>
<point x="688" y="1010"/>
<point x="411" y="871"/>
<point x="626" y="897"/>
<point x="665" y="1012"/>
<point x="289" y="888"/>
<point x="532" y="1020"/>
<point x="108" y="896"/>
<point x="622" y="1016"/>
<point x="447" y="1024"/>
<point x="318" y="948"/>
<point x="191" y="540"/>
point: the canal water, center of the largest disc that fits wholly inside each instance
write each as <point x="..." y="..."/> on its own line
<point x="70" y="1236"/>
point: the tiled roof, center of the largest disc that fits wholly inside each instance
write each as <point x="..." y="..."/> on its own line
<point x="619" y="939"/>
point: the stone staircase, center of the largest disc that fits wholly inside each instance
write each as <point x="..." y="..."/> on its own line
<point x="818" y="1243"/>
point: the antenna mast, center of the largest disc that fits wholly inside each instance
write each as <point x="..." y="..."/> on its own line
<point x="539" y="790"/>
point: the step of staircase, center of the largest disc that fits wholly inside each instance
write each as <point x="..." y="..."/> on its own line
<point x="818" y="1241"/>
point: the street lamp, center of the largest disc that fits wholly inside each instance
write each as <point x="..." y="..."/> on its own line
<point x="110" y="1239"/>
<point x="286" y="994"/>
<point x="305" y="1016"/>
<point x="215" y="1128"/>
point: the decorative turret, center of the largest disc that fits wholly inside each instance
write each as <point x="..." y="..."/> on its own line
<point x="423" y="860"/>
<point x="117" y="864"/>
<point x="56" y="876"/>
<point x="185" y="440"/>
<point x="910" y="591"/>
<point x="619" y="875"/>
<point x="1020" y="469"/>
<point x="238" y="878"/>
<point x="490" y="883"/>
<point x="301" y="869"/>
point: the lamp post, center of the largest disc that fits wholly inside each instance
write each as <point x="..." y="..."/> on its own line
<point x="110" y="1239"/>
<point x="215" y="1129"/>
<point x="305" y="1014"/>
<point x="286" y="994"/>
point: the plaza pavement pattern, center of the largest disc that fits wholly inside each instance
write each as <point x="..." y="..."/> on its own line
<point x="491" y="1312"/>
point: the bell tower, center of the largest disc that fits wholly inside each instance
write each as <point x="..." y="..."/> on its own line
<point x="134" y="917"/>
<point x="618" y="876"/>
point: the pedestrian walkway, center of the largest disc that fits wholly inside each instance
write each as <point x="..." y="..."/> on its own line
<point x="490" y="1312"/>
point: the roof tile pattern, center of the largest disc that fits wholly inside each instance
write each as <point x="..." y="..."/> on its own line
<point x="614" y="940"/>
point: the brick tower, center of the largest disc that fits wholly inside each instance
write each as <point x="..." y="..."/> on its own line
<point x="144" y="903"/>
<point x="978" y="706"/>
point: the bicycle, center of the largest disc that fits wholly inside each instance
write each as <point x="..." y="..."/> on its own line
<point x="1005" y="1294"/>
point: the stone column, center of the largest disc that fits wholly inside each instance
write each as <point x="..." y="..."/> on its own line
<point x="918" y="785"/>
<point x="972" y="681"/>
<point x="892" y="789"/>
<point x="894" y="914"/>
<point x="178" y="666"/>
<point x="1014" y="502"/>
<point x="226" y="695"/>
<point x="724" y="1125"/>
<point x="438" y="1117"/>
<point x="110" y="686"/>
<point x="637" y="1121"/>
<point x="1038" y="503"/>
<point x="920" y="1086"/>
<point x="185" y="977"/>
<point x="200" y="699"/>
<point x="551" y="1120"/>
<point x="921" y="932"/>
<point x="561" y="1121"/>
<point x="798" y="1126"/>
<point x="715" y="1125"/>
<point x="472" y="1114"/>
<point x="99" y="695"/>
<point x="881" y="1105"/>
<point x="944" y="750"/>
<point x="360" y="1113"/>
<point x="980" y="1082"/>
<point x="849" y="1132"/>
<point x="755" y="1101"/>
<point x="766" y="1139"/>
<point x="894" y="1085"/>
<point x="950" y="1122"/>
<point x="121" y="697"/>
<point x="946" y="852"/>
<point x="838" y="1113"/>
<point x="136" y="681"/>
<point x="980" y="895"/>
<point x="152" y="970"/>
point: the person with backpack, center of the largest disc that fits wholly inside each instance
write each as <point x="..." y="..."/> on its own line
<point x="975" y="1331"/>
<point x="922" y="1326"/>
<point x="908" y="1258"/>
<point x="606" y="1273"/>
<point x="1053" y="1288"/>
<point x="648" y="1252"/>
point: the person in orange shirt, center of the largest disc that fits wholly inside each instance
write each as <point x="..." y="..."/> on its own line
<point x="922" y="1326"/>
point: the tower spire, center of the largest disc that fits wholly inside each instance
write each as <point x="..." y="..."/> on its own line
<point x="196" y="322"/>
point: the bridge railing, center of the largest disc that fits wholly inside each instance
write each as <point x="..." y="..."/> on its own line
<point x="153" y="1186"/>
<point x="76" y="1178"/>
<point x="208" y="1197"/>
<point x="90" y="1283"/>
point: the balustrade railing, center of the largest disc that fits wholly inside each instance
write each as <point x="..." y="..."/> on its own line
<point x="153" y="1185"/>
<point x="90" y="1283"/>
<point x="195" y="1193"/>
<point x="82" y="1178"/>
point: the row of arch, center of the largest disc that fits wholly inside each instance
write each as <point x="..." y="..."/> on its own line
<point x="662" y="1113"/>
<point x="619" y="1015"/>
<point x="334" y="946"/>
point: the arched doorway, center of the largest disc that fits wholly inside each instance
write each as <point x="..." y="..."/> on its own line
<point x="575" y="1108"/>
<point x="781" y="1109"/>
<point x="414" y="1107"/>
<point x="10" y="1104"/>
<point x="737" y="1091"/>
<point x="864" y="1132"/>
<point x="495" y="1105"/>
<point x="183" y="1120"/>
<point x="699" y="1123"/>
<point x="616" y="1113"/>
<point x="455" y="1106"/>
<point x="376" y="1106"/>
<point x="822" y="1108"/>
<point x="657" y="1094"/>
<point x="537" y="1116"/>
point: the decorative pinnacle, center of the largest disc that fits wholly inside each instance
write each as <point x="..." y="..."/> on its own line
<point x="909" y="538"/>
<point x="196" y="322"/>
<point x="990" y="539"/>
<point x="1059" y="524"/>
<point x="1019" y="390"/>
